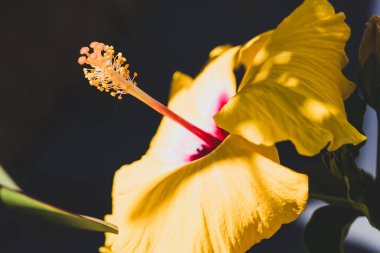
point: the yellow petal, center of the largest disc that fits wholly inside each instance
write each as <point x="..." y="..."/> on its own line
<point x="293" y="88"/>
<point x="216" y="82"/>
<point x="197" y="101"/>
<point x="180" y="82"/>
<point x="250" y="49"/>
<point x="226" y="201"/>
<point x="218" y="51"/>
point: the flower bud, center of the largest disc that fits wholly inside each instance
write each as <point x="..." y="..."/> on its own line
<point x="369" y="60"/>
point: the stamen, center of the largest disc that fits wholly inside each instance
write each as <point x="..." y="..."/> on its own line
<point x="111" y="73"/>
<point x="84" y="50"/>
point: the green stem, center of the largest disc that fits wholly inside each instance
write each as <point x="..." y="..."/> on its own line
<point x="338" y="201"/>
<point x="378" y="149"/>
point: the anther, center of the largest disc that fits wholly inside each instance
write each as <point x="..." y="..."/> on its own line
<point x="93" y="56"/>
<point x="84" y="50"/>
<point x="100" y="46"/>
<point x="82" y="60"/>
<point x="93" y="44"/>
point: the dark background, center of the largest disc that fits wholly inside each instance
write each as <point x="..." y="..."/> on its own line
<point x="61" y="140"/>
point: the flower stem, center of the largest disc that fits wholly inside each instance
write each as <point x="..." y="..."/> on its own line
<point x="378" y="150"/>
<point x="338" y="201"/>
<point x="160" y="108"/>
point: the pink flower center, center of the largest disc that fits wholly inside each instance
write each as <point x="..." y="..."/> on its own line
<point x="205" y="149"/>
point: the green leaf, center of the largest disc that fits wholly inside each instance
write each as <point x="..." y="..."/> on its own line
<point x="18" y="200"/>
<point x="372" y="204"/>
<point x="12" y="196"/>
<point x="327" y="229"/>
<point x="361" y="190"/>
<point x="7" y="181"/>
<point x="357" y="180"/>
<point x="332" y="164"/>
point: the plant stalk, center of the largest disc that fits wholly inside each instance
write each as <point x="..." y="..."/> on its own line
<point x="377" y="180"/>
<point x="333" y="200"/>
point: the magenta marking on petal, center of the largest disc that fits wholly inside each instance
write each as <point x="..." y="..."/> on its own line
<point x="223" y="99"/>
<point x="204" y="149"/>
<point x="218" y="132"/>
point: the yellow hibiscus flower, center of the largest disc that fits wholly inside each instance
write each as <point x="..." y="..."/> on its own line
<point x="190" y="194"/>
<point x="202" y="189"/>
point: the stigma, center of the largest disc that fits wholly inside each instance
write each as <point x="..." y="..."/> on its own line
<point x="110" y="73"/>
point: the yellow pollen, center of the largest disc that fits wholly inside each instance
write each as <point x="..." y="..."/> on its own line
<point x="109" y="71"/>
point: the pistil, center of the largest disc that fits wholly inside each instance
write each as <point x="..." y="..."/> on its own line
<point x="111" y="74"/>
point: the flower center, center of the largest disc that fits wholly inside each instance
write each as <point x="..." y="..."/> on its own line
<point x="204" y="150"/>
<point x="110" y="73"/>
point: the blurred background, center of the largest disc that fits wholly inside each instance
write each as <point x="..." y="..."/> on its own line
<point x="61" y="140"/>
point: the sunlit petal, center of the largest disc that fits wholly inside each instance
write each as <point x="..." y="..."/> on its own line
<point x="250" y="49"/>
<point x="293" y="87"/>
